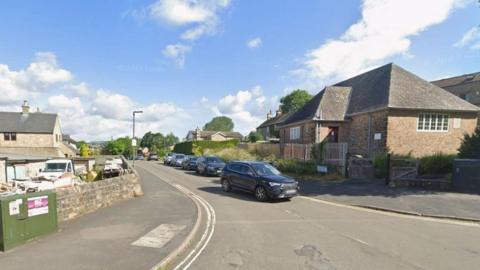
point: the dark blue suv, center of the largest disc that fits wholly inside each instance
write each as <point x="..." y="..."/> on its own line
<point x="260" y="178"/>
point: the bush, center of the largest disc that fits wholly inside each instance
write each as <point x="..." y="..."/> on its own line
<point x="470" y="147"/>
<point x="296" y="167"/>
<point x="200" y="147"/>
<point x="436" y="164"/>
<point x="380" y="164"/>
<point x="230" y="154"/>
<point x="255" y="137"/>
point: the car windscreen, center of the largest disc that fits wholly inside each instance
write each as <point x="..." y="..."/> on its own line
<point x="55" y="167"/>
<point x="265" y="169"/>
<point x="214" y="160"/>
<point x="193" y="159"/>
<point x="179" y="156"/>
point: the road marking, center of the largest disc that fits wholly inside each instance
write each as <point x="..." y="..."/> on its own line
<point x="160" y="236"/>
<point x="207" y="235"/>
<point x="392" y="214"/>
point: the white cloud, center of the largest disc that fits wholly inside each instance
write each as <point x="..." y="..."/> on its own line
<point x="177" y="53"/>
<point x="471" y="37"/>
<point x="254" y="43"/>
<point x="80" y="89"/>
<point x="41" y="74"/>
<point x="385" y="30"/>
<point x="85" y="114"/>
<point x="201" y="16"/>
<point x="247" y="108"/>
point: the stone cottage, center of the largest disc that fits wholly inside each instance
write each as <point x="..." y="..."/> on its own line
<point x="203" y="135"/>
<point x="387" y="109"/>
<point x="466" y="86"/>
<point x="270" y="128"/>
<point x="32" y="133"/>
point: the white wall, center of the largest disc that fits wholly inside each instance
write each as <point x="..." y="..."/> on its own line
<point x="3" y="177"/>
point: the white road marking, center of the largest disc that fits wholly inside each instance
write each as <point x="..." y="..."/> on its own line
<point x="391" y="214"/>
<point x="160" y="236"/>
<point x="207" y="235"/>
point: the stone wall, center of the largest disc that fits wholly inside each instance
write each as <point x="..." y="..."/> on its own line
<point x="362" y="130"/>
<point x="29" y="140"/>
<point x="307" y="133"/>
<point x="83" y="199"/>
<point x="403" y="137"/>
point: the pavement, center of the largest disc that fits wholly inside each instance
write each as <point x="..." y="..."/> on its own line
<point x="133" y="234"/>
<point x="375" y="194"/>
<point x="306" y="233"/>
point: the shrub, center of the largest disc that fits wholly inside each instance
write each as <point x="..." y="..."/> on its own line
<point x="199" y="147"/>
<point x="470" y="147"/>
<point x="296" y="167"/>
<point x="255" y="137"/>
<point x="230" y="154"/>
<point x="380" y="164"/>
<point x="436" y="164"/>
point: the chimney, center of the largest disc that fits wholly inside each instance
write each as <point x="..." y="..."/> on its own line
<point x="25" y="107"/>
<point x="269" y="114"/>
<point x="278" y="113"/>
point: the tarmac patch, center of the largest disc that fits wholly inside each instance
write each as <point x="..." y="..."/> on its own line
<point x="313" y="258"/>
<point x="160" y="236"/>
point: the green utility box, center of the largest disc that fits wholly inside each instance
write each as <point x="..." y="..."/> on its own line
<point x="26" y="216"/>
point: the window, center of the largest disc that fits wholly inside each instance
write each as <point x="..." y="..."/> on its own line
<point x="432" y="122"/>
<point x="10" y="136"/>
<point x="295" y="133"/>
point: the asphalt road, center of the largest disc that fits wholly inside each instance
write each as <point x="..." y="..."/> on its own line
<point x="111" y="238"/>
<point x="307" y="234"/>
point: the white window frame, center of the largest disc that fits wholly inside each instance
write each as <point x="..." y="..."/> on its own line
<point x="294" y="133"/>
<point x="433" y="119"/>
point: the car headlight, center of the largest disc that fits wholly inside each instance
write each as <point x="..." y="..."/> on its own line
<point x="273" y="184"/>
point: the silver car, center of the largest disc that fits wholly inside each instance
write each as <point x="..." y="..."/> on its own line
<point x="177" y="160"/>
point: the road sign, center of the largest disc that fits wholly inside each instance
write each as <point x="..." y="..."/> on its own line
<point x="134" y="142"/>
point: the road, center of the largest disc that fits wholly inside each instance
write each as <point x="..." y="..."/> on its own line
<point x="109" y="237"/>
<point x="308" y="234"/>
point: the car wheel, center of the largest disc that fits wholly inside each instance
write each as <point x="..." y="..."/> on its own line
<point x="226" y="185"/>
<point x="261" y="194"/>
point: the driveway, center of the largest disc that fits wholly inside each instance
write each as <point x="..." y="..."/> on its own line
<point x="374" y="193"/>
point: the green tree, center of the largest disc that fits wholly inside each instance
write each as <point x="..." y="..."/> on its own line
<point x="294" y="101"/>
<point x="255" y="137"/>
<point x="120" y="146"/>
<point x="470" y="147"/>
<point x="84" y="150"/>
<point x="219" y="123"/>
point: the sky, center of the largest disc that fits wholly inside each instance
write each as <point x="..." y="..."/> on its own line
<point x="185" y="61"/>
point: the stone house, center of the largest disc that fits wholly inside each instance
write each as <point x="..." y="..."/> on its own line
<point x="387" y="109"/>
<point x="32" y="133"/>
<point x="466" y="87"/>
<point x="202" y="135"/>
<point x="270" y="129"/>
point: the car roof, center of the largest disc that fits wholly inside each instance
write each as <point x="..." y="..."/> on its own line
<point x="248" y="162"/>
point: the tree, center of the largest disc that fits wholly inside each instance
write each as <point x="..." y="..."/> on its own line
<point x="470" y="147"/>
<point x="294" y="101"/>
<point x="84" y="150"/>
<point x="255" y="136"/>
<point x="120" y="146"/>
<point x="219" y="123"/>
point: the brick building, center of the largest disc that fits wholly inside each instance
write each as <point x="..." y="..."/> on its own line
<point x="466" y="86"/>
<point x="270" y="128"/>
<point x="203" y="135"/>
<point x="387" y="109"/>
<point x="32" y="133"/>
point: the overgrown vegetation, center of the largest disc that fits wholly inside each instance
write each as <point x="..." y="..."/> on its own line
<point x="436" y="164"/>
<point x="120" y="146"/>
<point x="255" y="136"/>
<point x="470" y="147"/>
<point x="296" y="167"/>
<point x="199" y="147"/>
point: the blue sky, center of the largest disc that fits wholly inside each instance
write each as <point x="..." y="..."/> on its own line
<point x="185" y="61"/>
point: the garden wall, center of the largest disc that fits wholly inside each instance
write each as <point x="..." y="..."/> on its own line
<point x="86" y="198"/>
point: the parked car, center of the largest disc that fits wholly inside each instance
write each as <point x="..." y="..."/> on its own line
<point x="260" y="178"/>
<point x="177" y="160"/>
<point x="167" y="158"/>
<point x="152" y="156"/>
<point x="210" y="165"/>
<point x="139" y="157"/>
<point x="190" y="163"/>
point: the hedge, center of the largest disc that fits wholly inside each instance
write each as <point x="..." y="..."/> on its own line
<point x="199" y="147"/>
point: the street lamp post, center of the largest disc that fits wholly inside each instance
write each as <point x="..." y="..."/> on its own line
<point x="134" y="145"/>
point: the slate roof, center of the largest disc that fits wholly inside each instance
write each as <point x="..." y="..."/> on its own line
<point x="27" y="123"/>
<point x="328" y="105"/>
<point x="275" y="120"/>
<point x="466" y="86"/>
<point x="388" y="86"/>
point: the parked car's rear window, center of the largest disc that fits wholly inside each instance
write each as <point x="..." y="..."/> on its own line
<point x="214" y="160"/>
<point x="179" y="156"/>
